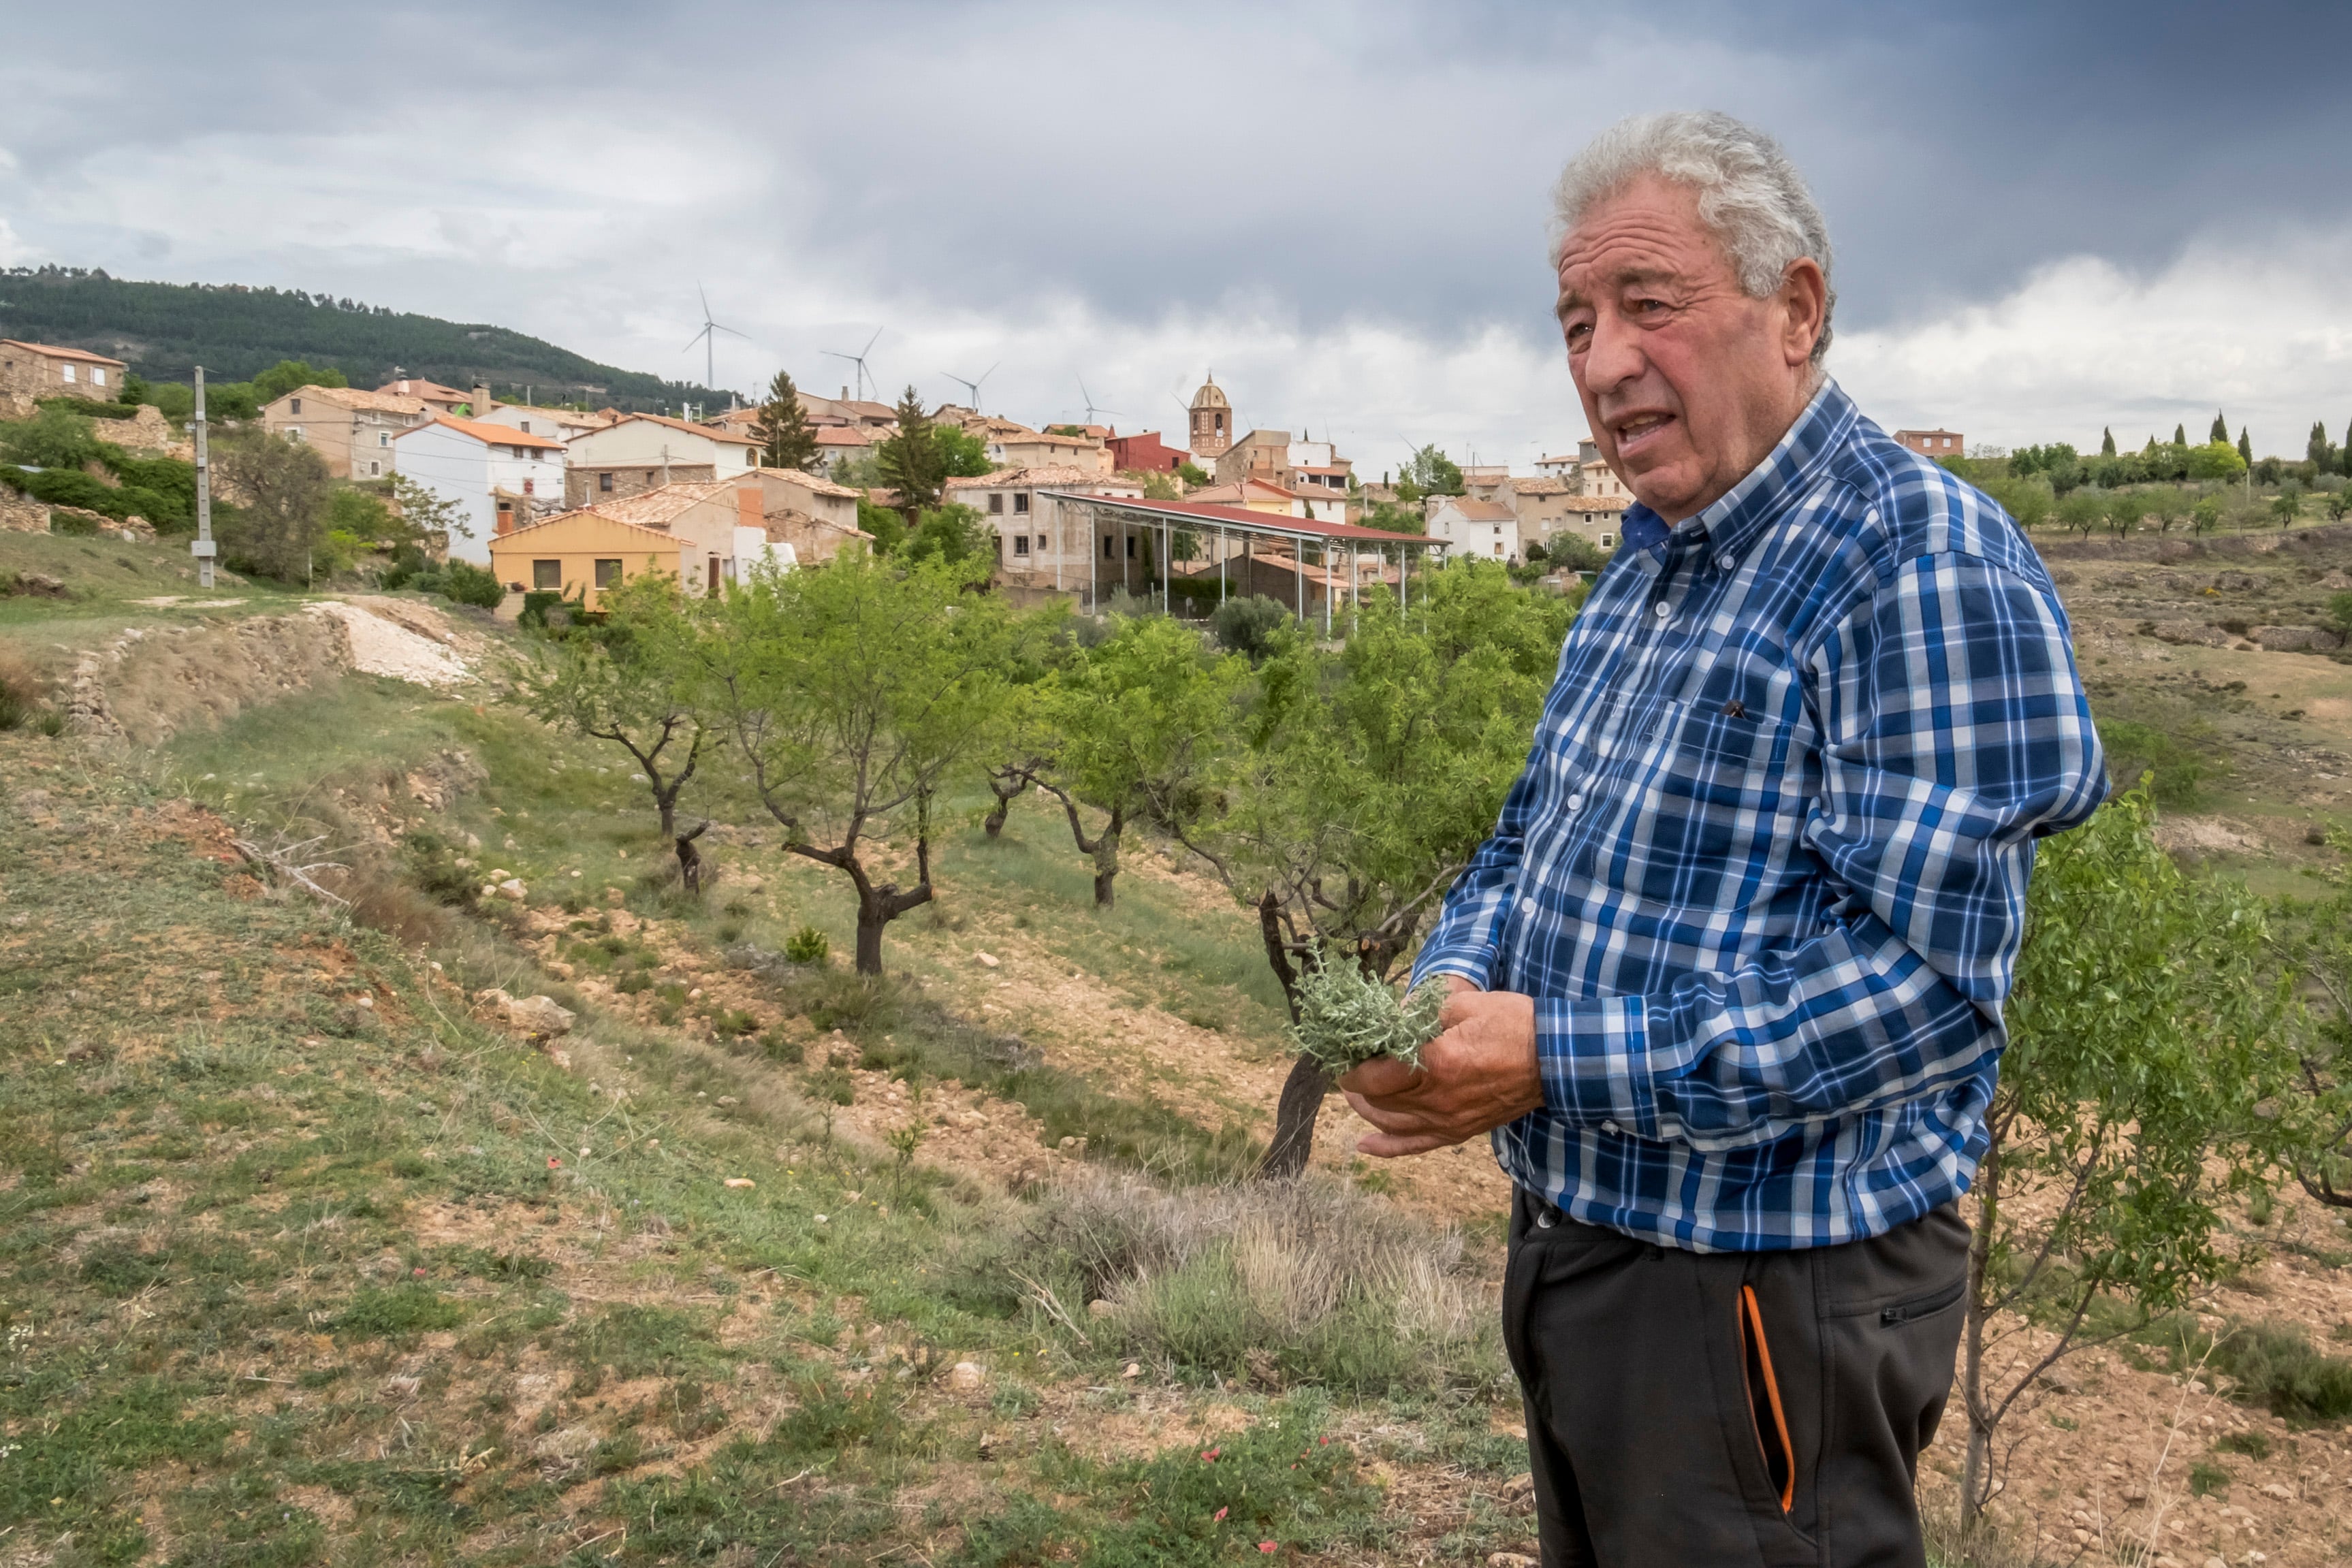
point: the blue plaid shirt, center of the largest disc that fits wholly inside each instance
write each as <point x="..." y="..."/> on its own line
<point x="1764" y="874"/>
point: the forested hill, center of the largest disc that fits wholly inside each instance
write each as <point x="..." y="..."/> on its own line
<point x="163" y="330"/>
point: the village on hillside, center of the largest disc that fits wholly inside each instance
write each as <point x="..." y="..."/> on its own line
<point x="573" y="500"/>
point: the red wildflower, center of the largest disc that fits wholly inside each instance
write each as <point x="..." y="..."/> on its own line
<point x="553" y="1163"/>
<point x="1218" y="1517"/>
<point x="1266" y="1546"/>
<point x="1209" y="1456"/>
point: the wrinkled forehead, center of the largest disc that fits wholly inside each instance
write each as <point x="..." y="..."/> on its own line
<point x="1649" y="233"/>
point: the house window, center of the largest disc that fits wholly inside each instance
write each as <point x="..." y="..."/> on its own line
<point x="293" y="433"/>
<point x="97" y="375"/>
<point x="1020" y="544"/>
<point x="996" y="505"/>
<point x="608" y="572"/>
<point x="374" y="469"/>
<point x="65" y="373"/>
<point x="524" y="426"/>
<point x="546" y="575"/>
<point x="294" y="405"/>
<point x="1107" y="551"/>
<point x="382" y="438"/>
<point x="604" y="482"/>
<point x="1130" y="547"/>
<point x="1609" y="541"/>
<point x="527" y="487"/>
<point x="1020" y="505"/>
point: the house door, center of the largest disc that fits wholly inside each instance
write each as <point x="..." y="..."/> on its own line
<point x="713" y="579"/>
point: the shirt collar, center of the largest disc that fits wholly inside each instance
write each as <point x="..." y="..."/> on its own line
<point x="1786" y="473"/>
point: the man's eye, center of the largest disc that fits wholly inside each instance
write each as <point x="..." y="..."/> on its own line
<point x="1645" y="307"/>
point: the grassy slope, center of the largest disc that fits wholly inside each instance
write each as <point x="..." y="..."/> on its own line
<point x="291" y="1277"/>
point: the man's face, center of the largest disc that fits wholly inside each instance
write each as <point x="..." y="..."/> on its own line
<point x="1688" y="382"/>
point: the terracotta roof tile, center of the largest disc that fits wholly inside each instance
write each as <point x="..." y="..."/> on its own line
<point x="53" y="352"/>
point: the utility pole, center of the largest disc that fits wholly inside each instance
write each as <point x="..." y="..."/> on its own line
<point x="203" y="548"/>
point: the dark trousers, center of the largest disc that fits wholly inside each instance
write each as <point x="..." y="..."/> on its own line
<point x="1692" y="1409"/>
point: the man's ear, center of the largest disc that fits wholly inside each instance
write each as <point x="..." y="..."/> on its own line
<point x="1804" y="304"/>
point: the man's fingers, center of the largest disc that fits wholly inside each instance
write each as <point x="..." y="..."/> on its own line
<point x="1380" y="1078"/>
<point x="1393" y="1146"/>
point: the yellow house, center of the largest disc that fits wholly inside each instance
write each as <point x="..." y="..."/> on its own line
<point x="582" y="553"/>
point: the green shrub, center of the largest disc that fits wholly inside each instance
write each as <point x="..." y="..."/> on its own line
<point x="2133" y="749"/>
<point x="72" y="526"/>
<point x="471" y="584"/>
<point x="807" y="945"/>
<point x="536" y="603"/>
<point x="1249" y="626"/>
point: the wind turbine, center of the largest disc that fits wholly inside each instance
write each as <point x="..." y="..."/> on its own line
<point x="706" y="338"/>
<point x="970" y="385"/>
<point x="1093" y="407"/>
<point x="859" y="359"/>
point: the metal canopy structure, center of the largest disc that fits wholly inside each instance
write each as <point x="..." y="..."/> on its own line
<point x="1226" y="525"/>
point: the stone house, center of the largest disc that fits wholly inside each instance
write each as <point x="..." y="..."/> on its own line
<point x="1040" y="541"/>
<point x="351" y="430"/>
<point x="44" y="370"/>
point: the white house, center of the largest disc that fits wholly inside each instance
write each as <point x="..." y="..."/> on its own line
<point x="1474" y="528"/>
<point x="642" y="452"/>
<point x="498" y="478"/>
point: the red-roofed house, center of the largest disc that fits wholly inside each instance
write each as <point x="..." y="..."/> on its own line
<point x="498" y="478"/>
<point x="643" y="452"/>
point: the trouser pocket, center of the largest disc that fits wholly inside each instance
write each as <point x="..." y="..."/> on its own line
<point x="1768" y="1413"/>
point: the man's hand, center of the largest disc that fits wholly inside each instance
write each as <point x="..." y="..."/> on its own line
<point x="1476" y="1076"/>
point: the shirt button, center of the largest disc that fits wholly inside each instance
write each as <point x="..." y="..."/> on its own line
<point x="1575" y="802"/>
<point x="1660" y="610"/>
<point x="1611" y="1127"/>
<point x="1543" y="1219"/>
<point x="1724" y="561"/>
<point x="1526" y="906"/>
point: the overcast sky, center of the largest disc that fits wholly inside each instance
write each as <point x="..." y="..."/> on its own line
<point x="2047" y="219"/>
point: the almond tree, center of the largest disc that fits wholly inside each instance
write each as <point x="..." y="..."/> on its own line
<point x="1136" y="723"/>
<point x="1365" y="780"/>
<point x="626" y="684"/>
<point x="2139" y="1032"/>
<point x="846" y="694"/>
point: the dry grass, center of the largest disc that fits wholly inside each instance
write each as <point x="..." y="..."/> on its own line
<point x="1275" y="1283"/>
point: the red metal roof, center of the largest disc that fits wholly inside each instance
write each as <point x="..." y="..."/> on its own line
<point x="1260" y="522"/>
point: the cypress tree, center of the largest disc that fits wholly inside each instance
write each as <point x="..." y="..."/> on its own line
<point x="2245" y="447"/>
<point x="2322" y="455"/>
<point x="2180" y="435"/>
<point x="2107" y="443"/>
<point x="2220" y="429"/>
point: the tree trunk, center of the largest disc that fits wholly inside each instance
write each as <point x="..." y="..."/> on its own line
<point x="1106" y="853"/>
<point x="667" y="799"/>
<point x="1976" y="1474"/>
<point x="870" y="922"/>
<point x="1293" y="1121"/>
<point x="689" y="861"/>
<point x="1007" y="787"/>
<point x="1303" y="1091"/>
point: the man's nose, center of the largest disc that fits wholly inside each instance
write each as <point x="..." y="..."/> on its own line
<point x="1614" y="356"/>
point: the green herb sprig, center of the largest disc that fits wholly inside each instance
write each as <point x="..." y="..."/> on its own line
<point x="1345" y="1018"/>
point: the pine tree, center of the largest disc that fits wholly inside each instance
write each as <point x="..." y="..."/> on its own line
<point x="913" y="462"/>
<point x="2220" y="430"/>
<point x="2180" y="435"/>
<point x="2106" y="443"/>
<point x="2245" y="447"/>
<point x="783" y="429"/>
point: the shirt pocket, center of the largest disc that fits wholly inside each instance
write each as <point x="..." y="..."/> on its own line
<point x="1728" y="790"/>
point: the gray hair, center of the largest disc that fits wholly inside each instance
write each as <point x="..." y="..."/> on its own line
<point x="1749" y="196"/>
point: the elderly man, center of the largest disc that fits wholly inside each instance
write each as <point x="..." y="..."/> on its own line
<point x="1728" y="978"/>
